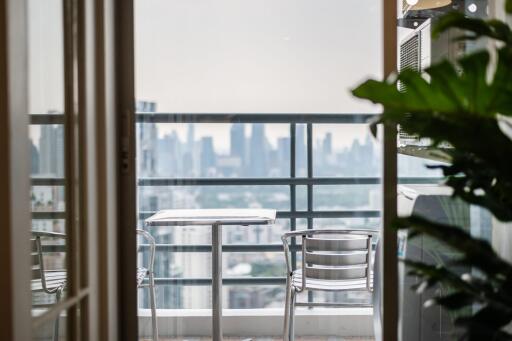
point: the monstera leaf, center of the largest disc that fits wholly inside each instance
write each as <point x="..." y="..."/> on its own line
<point x="459" y="107"/>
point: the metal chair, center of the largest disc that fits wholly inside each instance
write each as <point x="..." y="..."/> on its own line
<point x="52" y="282"/>
<point x="142" y="272"/>
<point x="332" y="260"/>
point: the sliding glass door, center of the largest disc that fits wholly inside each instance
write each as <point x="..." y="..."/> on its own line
<point x="248" y="105"/>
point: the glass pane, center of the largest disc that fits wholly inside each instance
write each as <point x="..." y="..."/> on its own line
<point x="229" y="96"/>
<point x="47" y="142"/>
<point x="45" y="57"/>
<point x="423" y="193"/>
<point x="346" y="151"/>
<point x="48" y="330"/>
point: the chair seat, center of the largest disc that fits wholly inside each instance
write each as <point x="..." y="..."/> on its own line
<point x="329" y="285"/>
<point x="54" y="280"/>
<point x="141" y="274"/>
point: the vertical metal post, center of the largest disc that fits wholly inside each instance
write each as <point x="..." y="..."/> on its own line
<point x="310" y="186"/>
<point x="310" y="171"/>
<point x="389" y="180"/>
<point x="293" y="192"/>
<point x="217" y="282"/>
<point x="127" y="170"/>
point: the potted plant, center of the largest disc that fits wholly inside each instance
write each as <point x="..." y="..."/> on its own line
<point x="467" y="106"/>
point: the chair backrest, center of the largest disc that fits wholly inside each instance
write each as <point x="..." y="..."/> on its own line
<point x="343" y="256"/>
<point x="36" y="258"/>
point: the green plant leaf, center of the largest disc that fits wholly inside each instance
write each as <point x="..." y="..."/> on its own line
<point x="479" y="252"/>
<point x="452" y="109"/>
<point x="477" y="28"/>
<point x="455" y="301"/>
<point x="462" y="108"/>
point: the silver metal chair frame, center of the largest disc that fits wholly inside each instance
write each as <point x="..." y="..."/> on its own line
<point x="341" y="267"/>
<point x="151" y="277"/>
<point x="58" y="285"/>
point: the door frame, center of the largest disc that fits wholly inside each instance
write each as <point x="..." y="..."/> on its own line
<point x="14" y="174"/>
<point x="127" y="171"/>
<point x="127" y="175"/>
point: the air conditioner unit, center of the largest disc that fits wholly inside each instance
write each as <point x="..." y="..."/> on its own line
<point x="417" y="52"/>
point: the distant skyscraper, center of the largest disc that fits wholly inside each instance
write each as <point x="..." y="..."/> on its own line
<point x="283" y="155"/>
<point x="237" y="141"/>
<point x="300" y="150"/>
<point x="147" y="142"/>
<point x="155" y="157"/>
<point x="168" y="153"/>
<point x="258" y="160"/>
<point x="190" y="138"/>
<point x="327" y="144"/>
<point x="51" y="150"/>
<point x="34" y="158"/>
<point x="207" y="155"/>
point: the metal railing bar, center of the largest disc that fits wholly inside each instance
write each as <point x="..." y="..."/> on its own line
<point x="49" y="248"/>
<point x="40" y="181"/>
<point x="349" y="118"/>
<point x="293" y="189"/>
<point x="40" y="119"/>
<point x="255" y="181"/>
<point x="48" y="215"/>
<point x="225" y="281"/>
<point x="225" y="248"/>
<point x="309" y="146"/>
<point x="313" y="214"/>
<point x="37" y="181"/>
<point x="319" y="181"/>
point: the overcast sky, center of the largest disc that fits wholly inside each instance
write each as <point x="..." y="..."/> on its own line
<point x="257" y="56"/>
<point x="243" y="56"/>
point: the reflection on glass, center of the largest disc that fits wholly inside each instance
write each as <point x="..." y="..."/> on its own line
<point x="418" y="49"/>
<point x="52" y="330"/>
<point x="47" y="197"/>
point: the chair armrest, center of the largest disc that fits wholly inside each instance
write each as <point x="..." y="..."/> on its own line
<point x="286" y="249"/>
<point x="45" y="234"/>
<point x="152" y="247"/>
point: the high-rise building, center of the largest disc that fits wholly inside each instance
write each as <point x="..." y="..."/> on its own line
<point x="327" y="144"/>
<point x="237" y="142"/>
<point x="51" y="150"/>
<point x="300" y="150"/>
<point x="207" y="155"/>
<point x="168" y="155"/>
<point x="283" y="155"/>
<point x="34" y="158"/>
<point x="147" y="142"/>
<point x="257" y="152"/>
<point x="155" y="157"/>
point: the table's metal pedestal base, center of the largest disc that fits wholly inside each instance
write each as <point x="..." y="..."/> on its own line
<point x="214" y="218"/>
<point x="217" y="282"/>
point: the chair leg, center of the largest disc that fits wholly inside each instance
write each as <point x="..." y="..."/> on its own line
<point x="286" y="327"/>
<point x="153" y="306"/>
<point x="58" y="295"/>
<point x="293" y="299"/>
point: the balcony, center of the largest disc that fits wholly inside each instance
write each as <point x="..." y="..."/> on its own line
<point x="314" y="179"/>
